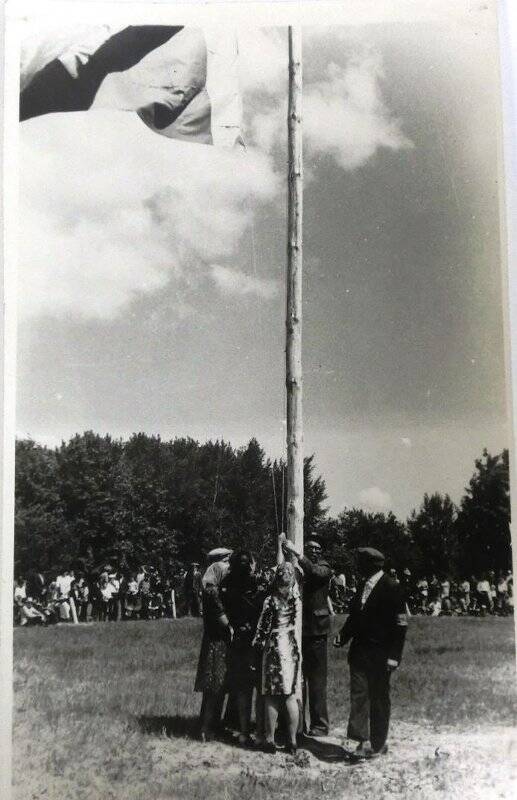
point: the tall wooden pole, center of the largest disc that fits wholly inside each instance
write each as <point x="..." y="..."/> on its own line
<point x="294" y="295"/>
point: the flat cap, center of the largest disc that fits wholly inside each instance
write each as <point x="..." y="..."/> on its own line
<point x="218" y="553"/>
<point x="370" y="554"/>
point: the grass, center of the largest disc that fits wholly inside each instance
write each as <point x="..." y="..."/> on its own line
<point x="107" y="712"/>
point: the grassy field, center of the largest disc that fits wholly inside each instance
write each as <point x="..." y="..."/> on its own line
<point x="107" y="712"/>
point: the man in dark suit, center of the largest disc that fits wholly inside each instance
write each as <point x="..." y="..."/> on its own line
<point x="315" y="628"/>
<point x="377" y="627"/>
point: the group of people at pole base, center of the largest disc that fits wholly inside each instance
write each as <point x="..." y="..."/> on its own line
<point x="251" y="649"/>
<point x="106" y="593"/>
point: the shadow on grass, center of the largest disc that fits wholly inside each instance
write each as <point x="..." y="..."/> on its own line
<point x="188" y="727"/>
<point x="324" y="751"/>
<point x="177" y="726"/>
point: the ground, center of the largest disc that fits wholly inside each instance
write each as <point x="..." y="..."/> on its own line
<point x="107" y="712"/>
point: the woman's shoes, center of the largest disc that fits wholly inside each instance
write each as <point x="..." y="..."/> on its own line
<point x="269" y="747"/>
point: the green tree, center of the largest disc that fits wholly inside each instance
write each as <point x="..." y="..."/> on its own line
<point x="357" y="528"/>
<point x="434" y="533"/>
<point x="484" y="518"/>
<point x="88" y="477"/>
<point x="41" y="533"/>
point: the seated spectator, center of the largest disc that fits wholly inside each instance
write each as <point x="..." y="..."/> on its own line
<point x="423" y="595"/>
<point x="484" y="595"/>
<point x="20" y="591"/>
<point x="154" y="606"/>
<point x="445" y="596"/>
<point x="30" y="614"/>
<point x="464" y="596"/>
<point x="435" y="607"/>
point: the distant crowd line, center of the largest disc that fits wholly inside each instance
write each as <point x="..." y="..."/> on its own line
<point x="109" y="594"/>
<point x="487" y="594"/>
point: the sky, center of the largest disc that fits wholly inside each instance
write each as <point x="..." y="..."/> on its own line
<point x="151" y="273"/>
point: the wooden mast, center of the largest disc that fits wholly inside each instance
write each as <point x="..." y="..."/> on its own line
<point x="294" y="295"/>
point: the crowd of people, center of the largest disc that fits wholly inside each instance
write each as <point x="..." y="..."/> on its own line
<point x="111" y="594"/>
<point x="440" y="596"/>
<point x="106" y="594"/>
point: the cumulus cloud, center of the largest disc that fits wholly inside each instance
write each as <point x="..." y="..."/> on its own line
<point x="375" y="499"/>
<point x="234" y="282"/>
<point x="110" y="210"/>
<point x="263" y="59"/>
<point x="345" y="114"/>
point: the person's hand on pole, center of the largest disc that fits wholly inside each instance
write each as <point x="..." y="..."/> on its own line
<point x="288" y="547"/>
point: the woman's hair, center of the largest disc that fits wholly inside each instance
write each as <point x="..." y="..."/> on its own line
<point x="284" y="577"/>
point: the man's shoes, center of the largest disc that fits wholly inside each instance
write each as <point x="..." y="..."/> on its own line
<point x="269" y="747"/>
<point x="317" y="732"/>
<point x="367" y="754"/>
<point x="291" y="749"/>
<point x="244" y="740"/>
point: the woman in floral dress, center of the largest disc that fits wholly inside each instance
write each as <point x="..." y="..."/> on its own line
<point x="276" y="640"/>
<point x="217" y="634"/>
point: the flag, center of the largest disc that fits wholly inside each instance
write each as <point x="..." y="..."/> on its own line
<point x="182" y="82"/>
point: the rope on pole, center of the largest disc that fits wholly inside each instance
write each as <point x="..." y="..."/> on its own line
<point x="274" y="499"/>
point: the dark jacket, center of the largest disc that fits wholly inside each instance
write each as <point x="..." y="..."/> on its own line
<point x="381" y="625"/>
<point x="242" y="601"/>
<point x="316" y="579"/>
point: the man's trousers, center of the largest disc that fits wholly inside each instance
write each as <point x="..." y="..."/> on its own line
<point x="370" y="702"/>
<point x="314" y="667"/>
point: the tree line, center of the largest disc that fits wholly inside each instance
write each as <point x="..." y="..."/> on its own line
<point x="144" y="500"/>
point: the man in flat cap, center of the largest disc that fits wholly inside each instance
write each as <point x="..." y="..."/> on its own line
<point x="315" y="629"/>
<point x="376" y="627"/>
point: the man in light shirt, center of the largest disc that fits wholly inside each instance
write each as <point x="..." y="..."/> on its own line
<point x="64" y="582"/>
<point x="377" y="628"/>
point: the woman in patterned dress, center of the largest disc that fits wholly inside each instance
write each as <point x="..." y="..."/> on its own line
<point x="276" y="640"/>
<point x="217" y="634"/>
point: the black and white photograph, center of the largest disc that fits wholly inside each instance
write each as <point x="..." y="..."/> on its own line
<point x="262" y="416"/>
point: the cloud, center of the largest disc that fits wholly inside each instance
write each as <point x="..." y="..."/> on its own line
<point x="406" y="441"/>
<point x="375" y="499"/>
<point x="345" y="115"/>
<point x="233" y="282"/>
<point x="263" y="59"/>
<point x="110" y="211"/>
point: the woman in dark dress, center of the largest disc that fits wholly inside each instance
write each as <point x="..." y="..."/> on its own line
<point x="211" y="670"/>
<point x="242" y="599"/>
